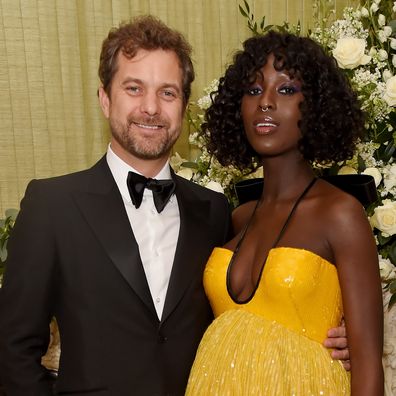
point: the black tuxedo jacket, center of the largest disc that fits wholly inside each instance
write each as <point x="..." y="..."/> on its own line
<point x="73" y="255"/>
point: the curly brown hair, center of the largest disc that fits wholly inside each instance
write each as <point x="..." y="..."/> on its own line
<point x="148" y="33"/>
<point x="332" y="120"/>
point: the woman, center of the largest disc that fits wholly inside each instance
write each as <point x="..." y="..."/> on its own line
<point x="304" y="255"/>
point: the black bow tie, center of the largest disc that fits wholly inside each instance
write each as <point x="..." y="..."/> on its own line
<point x="162" y="190"/>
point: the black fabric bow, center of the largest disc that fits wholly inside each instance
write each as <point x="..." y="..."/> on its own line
<point x="162" y="190"/>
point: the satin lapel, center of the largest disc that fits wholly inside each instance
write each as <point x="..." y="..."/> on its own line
<point x="191" y="246"/>
<point x="104" y="210"/>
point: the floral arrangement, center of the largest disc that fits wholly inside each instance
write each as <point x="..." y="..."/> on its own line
<point x="363" y="42"/>
<point x="6" y="226"/>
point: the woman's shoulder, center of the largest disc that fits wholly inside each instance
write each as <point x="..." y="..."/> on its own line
<point x="336" y="204"/>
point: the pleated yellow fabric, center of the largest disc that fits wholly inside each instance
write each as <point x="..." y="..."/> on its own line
<point x="271" y="345"/>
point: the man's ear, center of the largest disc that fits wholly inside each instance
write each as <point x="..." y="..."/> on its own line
<point x="104" y="101"/>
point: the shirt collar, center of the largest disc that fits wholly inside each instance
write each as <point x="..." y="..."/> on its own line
<point x="120" y="169"/>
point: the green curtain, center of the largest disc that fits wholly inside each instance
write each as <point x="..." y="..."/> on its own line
<point x="50" y="121"/>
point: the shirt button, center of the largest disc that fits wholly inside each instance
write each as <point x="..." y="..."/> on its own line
<point x="157" y="300"/>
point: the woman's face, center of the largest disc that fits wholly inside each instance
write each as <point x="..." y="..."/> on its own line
<point x="270" y="111"/>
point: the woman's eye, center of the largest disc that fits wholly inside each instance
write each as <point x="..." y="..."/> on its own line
<point x="288" y="89"/>
<point x="254" y="91"/>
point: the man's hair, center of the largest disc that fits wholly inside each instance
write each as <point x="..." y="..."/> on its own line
<point x="148" y="33"/>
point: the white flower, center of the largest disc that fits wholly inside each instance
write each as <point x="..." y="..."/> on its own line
<point x="347" y="170"/>
<point x="387" y="31"/>
<point x="390" y="177"/>
<point x="215" y="186"/>
<point x="384" y="218"/>
<point x="349" y="52"/>
<point x="175" y="161"/>
<point x="394" y="6"/>
<point x="394" y="60"/>
<point x="375" y="173"/>
<point x="381" y="20"/>
<point x="374" y="8"/>
<point x="364" y="12"/>
<point x="390" y="93"/>
<point x="393" y="43"/>
<point x="382" y="36"/>
<point x="387" y="74"/>
<point x="387" y="269"/>
<point x="187" y="173"/>
<point x="382" y="54"/>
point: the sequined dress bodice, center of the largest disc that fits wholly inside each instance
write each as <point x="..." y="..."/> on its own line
<point x="297" y="288"/>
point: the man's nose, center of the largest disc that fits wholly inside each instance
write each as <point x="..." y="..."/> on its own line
<point x="150" y="104"/>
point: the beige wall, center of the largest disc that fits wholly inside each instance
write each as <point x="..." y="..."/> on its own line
<point x="50" y="122"/>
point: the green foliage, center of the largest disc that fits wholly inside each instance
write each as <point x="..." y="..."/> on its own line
<point x="6" y="226"/>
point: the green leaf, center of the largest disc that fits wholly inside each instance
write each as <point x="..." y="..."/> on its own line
<point x="262" y="24"/>
<point x="189" y="164"/>
<point x="392" y="301"/>
<point x="392" y="287"/>
<point x="247" y="6"/>
<point x="361" y="164"/>
<point x="383" y="240"/>
<point x="243" y="12"/>
<point x="392" y="252"/>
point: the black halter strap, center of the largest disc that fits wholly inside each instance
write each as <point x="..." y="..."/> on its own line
<point x="282" y="231"/>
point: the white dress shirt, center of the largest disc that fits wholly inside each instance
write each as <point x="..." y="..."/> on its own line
<point x="156" y="233"/>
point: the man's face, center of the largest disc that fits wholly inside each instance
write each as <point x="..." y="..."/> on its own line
<point x="145" y="106"/>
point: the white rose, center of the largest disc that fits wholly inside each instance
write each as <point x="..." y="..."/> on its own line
<point x="349" y="53"/>
<point x="364" y="12"/>
<point x="384" y="218"/>
<point x="394" y="6"/>
<point x="387" y="74"/>
<point x="390" y="93"/>
<point x="374" y="8"/>
<point x="375" y="173"/>
<point x="382" y="54"/>
<point x="393" y="43"/>
<point x="215" y="186"/>
<point x="387" y="269"/>
<point x="381" y="20"/>
<point x="187" y="173"/>
<point x="394" y="60"/>
<point x="347" y="170"/>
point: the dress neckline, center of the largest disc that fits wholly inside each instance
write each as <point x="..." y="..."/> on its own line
<point x="239" y="243"/>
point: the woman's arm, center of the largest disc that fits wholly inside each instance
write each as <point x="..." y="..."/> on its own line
<point x="353" y="245"/>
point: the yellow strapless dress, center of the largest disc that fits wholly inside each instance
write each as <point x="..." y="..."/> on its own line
<point x="271" y="345"/>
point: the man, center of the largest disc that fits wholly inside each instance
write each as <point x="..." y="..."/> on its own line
<point x="120" y="271"/>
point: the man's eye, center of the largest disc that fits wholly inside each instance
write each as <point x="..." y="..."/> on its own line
<point x="133" y="89"/>
<point x="169" y="94"/>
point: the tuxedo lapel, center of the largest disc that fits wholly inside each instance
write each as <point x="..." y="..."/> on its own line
<point x="103" y="208"/>
<point x="193" y="239"/>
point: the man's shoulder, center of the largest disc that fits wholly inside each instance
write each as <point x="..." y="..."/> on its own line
<point x="79" y="179"/>
<point x="201" y="191"/>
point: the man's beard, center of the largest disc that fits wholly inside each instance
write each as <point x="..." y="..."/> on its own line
<point x="149" y="148"/>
